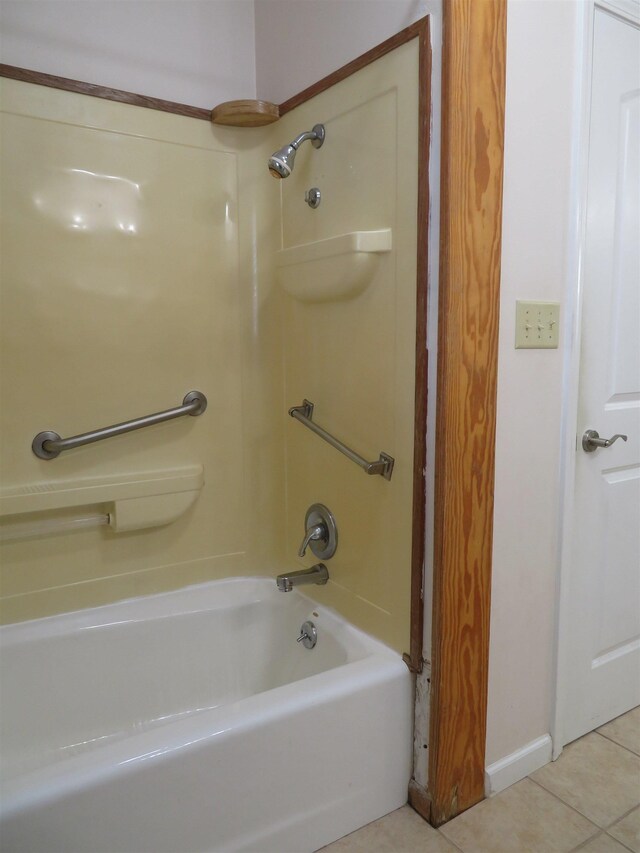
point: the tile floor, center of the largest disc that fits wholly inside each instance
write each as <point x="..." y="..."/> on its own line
<point x="588" y="800"/>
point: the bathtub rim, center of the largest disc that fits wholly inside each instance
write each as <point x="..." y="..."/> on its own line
<point x="66" y="775"/>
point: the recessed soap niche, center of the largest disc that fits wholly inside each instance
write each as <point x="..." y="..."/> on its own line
<point x="334" y="269"/>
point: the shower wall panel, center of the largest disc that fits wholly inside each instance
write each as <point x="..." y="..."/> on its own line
<point x="354" y="358"/>
<point x="127" y="281"/>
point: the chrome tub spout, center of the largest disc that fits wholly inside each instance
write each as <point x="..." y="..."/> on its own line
<point x="317" y="574"/>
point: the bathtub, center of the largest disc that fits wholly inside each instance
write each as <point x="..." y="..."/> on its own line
<point x="194" y="721"/>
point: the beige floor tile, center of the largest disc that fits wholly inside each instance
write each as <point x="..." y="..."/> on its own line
<point x="602" y="843"/>
<point x="625" y="730"/>
<point x="402" y="831"/>
<point x="523" y="818"/>
<point x="596" y="777"/>
<point x="628" y="830"/>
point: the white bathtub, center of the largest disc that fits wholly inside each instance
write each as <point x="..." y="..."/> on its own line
<point x="194" y="721"/>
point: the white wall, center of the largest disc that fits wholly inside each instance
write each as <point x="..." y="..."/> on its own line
<point x="197" y="52"/>
<point x="544" y="66"/>
<point x="300" y="41"/>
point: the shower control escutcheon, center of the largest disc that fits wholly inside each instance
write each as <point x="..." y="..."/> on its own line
<point x="321" y="532"/>
<point x="313" y="197"/>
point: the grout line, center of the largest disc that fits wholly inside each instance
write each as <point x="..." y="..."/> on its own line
<point x="622" y="816"/>
<point x="446" y="838"/>
<point x="569" y="806"/>
<point x="584" y="843"/>
<point x="611" y="740"/>
<point x="605" y="828"/>
<point x="621" y="843"/>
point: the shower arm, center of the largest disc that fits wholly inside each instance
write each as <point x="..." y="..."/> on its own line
<point x="308" y="134"/>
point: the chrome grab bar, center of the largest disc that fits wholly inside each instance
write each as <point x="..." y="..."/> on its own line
<point x="48" y="444"/>
<point x="382" y="466"/>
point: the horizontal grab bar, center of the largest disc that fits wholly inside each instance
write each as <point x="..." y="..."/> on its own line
<point x="48" y="445"/>
<point x="382" y="466"/>
<point x="30" y="529"/>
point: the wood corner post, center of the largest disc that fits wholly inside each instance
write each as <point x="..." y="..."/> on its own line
<point x="474" y="54"/>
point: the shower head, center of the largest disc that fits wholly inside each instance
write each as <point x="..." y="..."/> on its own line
<point x="281" y="161"/>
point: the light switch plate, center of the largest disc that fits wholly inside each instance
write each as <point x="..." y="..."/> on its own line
<point x="537" y="325"/>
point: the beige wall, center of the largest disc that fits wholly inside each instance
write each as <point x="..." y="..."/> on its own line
<point x="354" y="358"/>
<point x="128" y="280"/>
<point x="139" y="253"/>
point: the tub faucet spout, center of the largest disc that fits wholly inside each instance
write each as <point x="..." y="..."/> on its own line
<point x="317" y="574"/>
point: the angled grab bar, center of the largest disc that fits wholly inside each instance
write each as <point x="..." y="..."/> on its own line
<point x="48" y="445"/>
<point x="382" y="466"/>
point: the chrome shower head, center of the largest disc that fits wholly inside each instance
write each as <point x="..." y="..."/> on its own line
<point x="281" y="161"/>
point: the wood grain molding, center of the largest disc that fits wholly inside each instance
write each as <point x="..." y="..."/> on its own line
<point x="418" y="29"/>
<point x="414" y="658"/>
<point x="474" y="53"/>
<point x="68" y="85"/>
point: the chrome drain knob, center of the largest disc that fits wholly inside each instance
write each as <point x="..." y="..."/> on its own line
<point x="308" y="635"/>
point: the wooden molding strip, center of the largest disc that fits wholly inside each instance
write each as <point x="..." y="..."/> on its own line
<point x="417" y="29"/>
<point x="474" y="49"/>
<point x="69" y="85"/>
<point x="95" y="91"/>
<point x="414" y="659"/>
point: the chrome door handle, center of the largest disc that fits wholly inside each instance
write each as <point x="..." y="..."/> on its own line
<point x="591" y="440"/>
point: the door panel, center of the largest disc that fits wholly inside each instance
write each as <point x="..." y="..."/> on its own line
<point x="604" y="578"/>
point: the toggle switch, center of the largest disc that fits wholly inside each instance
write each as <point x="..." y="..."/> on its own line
<point x="537" y="325"/>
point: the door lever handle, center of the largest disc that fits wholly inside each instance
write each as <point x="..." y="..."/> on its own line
<point x="591" y="440"/>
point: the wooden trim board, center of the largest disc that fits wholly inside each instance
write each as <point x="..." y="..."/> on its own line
<point x="474" y="54"/>
<point x="68" y="85"/>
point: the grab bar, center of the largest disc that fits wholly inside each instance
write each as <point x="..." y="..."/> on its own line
<point x="12" y="531"/>
<point x="48" y="445"/>
<point x="382" y="466"/>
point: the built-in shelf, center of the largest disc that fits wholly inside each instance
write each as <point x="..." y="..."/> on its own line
<point x="133" y="501"/>
<point x="245" y="113"/>
<point x="333" y="269"/>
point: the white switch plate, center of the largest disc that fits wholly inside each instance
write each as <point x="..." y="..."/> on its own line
<point x="537" y="325"/>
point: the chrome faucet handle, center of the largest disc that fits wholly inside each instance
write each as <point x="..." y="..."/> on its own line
<point x="316" y="532"/>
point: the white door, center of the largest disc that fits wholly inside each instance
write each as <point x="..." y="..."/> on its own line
<point x="602" y="667"/>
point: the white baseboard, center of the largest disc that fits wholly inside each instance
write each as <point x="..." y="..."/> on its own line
<point x="514" y="767"/>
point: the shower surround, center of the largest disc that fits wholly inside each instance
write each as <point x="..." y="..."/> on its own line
<point x="161" y="241"/>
